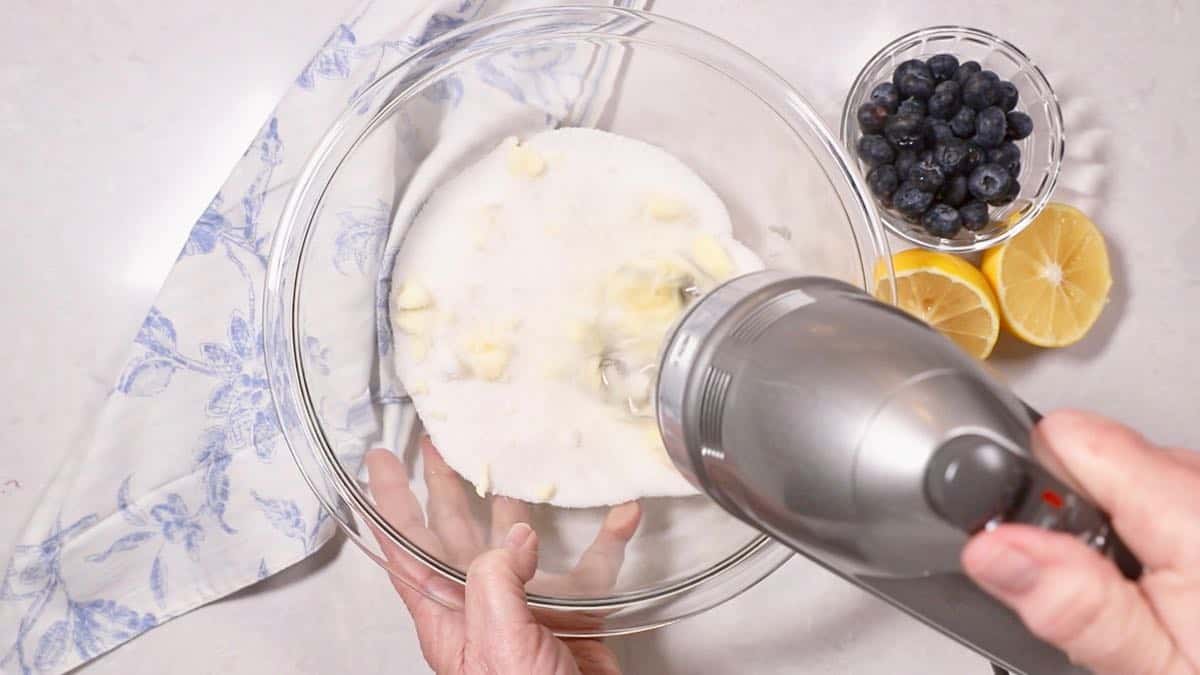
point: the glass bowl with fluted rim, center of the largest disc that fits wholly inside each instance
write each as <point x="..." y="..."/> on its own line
<point x="1041" y="152"/>
<point x="793" y="197"/>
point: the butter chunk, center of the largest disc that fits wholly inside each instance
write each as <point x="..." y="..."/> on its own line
<point x="486" y="356"/>
<point x="546" y="492"/>
<point x="412" y="295"/>
<point x="711" y="258"/>
<point x="665" y="208"/>
<point x="650" y="289"/>
<point x="525" y="161"/>
<point x="414" y="321"/>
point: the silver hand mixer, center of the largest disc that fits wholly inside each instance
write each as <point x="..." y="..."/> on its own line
<point x="869" y="443"/>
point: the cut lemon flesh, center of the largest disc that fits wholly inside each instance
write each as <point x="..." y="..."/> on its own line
<point x="1052" y="279"/>
<point x="947" y="293"/>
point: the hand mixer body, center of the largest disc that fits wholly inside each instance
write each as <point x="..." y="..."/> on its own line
<point x="863" y="439"/>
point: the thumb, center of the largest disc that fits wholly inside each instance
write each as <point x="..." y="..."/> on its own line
<point x="1072" y="597"/>
<point x="495" y="599"/>
<point x="502" y="634"/>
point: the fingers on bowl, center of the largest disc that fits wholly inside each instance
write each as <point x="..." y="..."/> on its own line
<point x="454" y="533"/>
<point x="424" y="591"/>
<point x="449" y="508"/>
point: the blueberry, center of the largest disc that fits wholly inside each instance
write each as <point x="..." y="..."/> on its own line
<point x="874" y="150"/>
<point x="1020" y="125"/>
<point x="951" y="157"/>
<point x="905" y="131"/>
<point x="1010" y="193"/>
<point x="954" y="191"/>
<point x="988" y="182"/>
<point x="944" y="103"/>
<point x="915" y="85"/>
<point x="965" y="71"/>
<point x="937" y="131"/>
<point x="871" y="117"/>
<point x="885" y="94"/>
<point x="975" y="156"/>
<point x="974" y="215"/>
<point x="963" y="122"/>
<point x="911" y="67"/>
<point x="883" y="180"/>
<point x="990" y="127"/>
<point x="912" y="106"/>
<point x="981" y="90"/>
<point x="1008" y="155"/>
<point x="926" y="156"/>
<point x="926" y="174"/>
<point x="942" y="221"/>
<point x="905" y="160"/>
<point x="1008" y="96"/>
<point x="911" y="201"/>
<point x="943" y="66"/>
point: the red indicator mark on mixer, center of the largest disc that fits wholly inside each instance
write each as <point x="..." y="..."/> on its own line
<point x="1052" y="498"/>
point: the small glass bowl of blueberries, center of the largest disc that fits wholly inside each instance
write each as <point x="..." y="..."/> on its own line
<point x="959" y="137"/>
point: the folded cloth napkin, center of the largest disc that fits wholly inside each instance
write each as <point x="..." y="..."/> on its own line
<point x="185" y="492"/>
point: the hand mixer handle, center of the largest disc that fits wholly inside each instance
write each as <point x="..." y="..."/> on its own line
<point x="1114" y="546"/>
<point x="971" y="474"/>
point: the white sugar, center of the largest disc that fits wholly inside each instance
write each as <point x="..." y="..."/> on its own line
<point x="543" y="270"/>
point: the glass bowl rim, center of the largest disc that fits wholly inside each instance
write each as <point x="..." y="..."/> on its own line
<point x="858" y="90"/>
<point x="298" y="221"/>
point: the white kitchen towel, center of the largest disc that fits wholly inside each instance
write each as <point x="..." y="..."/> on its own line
<point x="185" y="492"/>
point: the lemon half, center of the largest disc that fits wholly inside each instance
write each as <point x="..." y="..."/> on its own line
<point x="947" y="293"/>
<point x="1052" y="279"/>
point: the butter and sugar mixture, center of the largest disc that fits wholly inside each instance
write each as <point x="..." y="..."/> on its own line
<point x="530" y="300"/>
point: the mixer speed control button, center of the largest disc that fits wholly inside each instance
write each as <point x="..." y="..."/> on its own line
<point x="971" y="480"/>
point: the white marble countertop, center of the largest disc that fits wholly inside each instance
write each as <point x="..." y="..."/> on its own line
<point x="120" y="118"/>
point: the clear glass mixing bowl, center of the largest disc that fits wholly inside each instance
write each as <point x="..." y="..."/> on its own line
<point x="782" y="174"/>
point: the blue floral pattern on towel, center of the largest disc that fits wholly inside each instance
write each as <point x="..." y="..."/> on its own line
<point x="286" y="517"/>
<point x="86" y="626"/>
<point x="535" y="75"/>
<point x="227" y="513"/>
<point x="361" y="237"/>
<point x="341" y="53"/>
